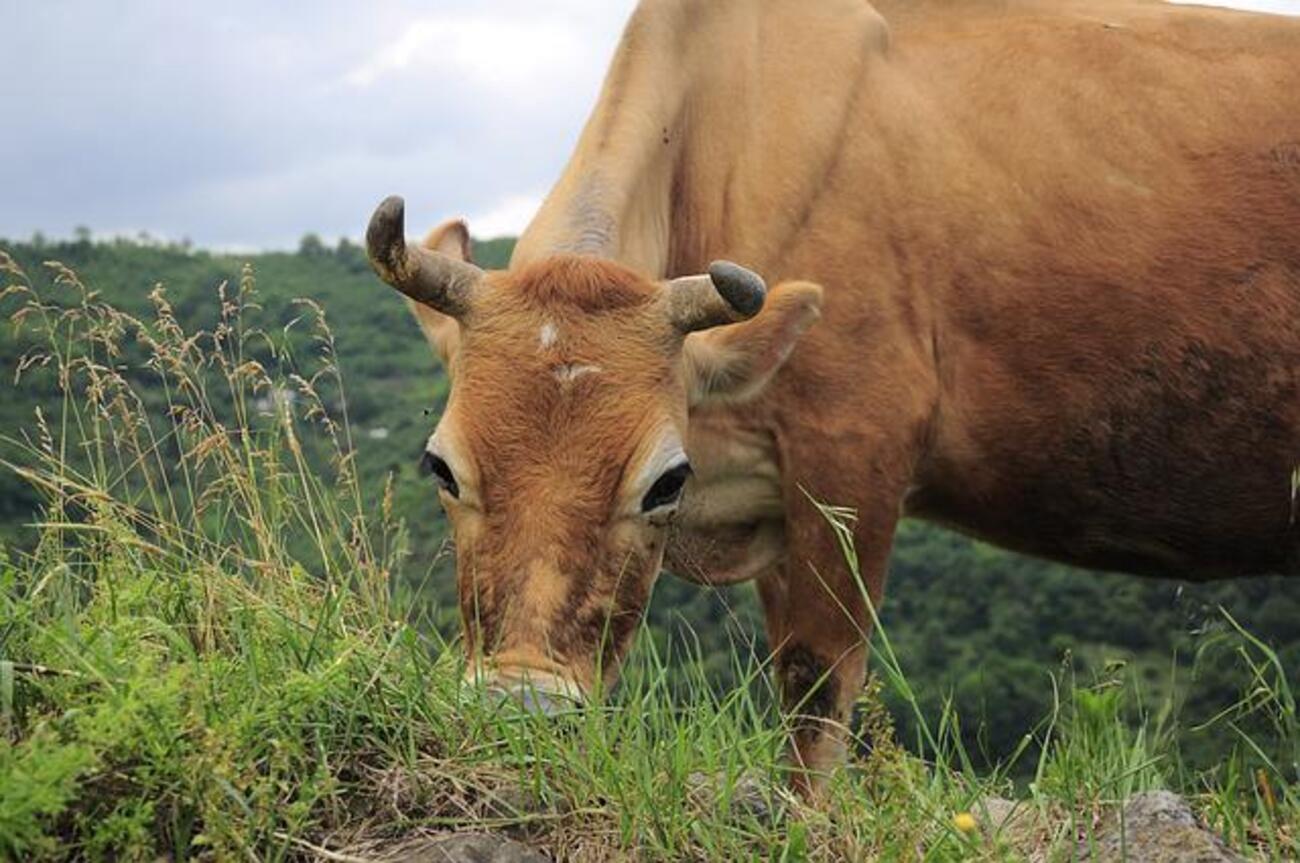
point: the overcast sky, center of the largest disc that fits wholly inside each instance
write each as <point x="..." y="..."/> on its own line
<point x="247" y="123"/>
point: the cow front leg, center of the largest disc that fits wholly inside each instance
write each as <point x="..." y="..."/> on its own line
<point x="818" y="624"/>
<point x="820" y="679"/>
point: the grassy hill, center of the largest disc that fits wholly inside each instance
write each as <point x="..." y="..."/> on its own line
<point x="227" y="633"/>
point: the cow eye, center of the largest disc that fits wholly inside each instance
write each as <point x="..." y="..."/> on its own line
<point x="437" y="466"/>
<point x="667" y="490"/>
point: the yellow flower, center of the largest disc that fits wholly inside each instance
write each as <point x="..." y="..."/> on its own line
<point x="965" y="822"/>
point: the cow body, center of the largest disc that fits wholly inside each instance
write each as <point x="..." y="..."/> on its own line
<point x="1060" y="249"/>
<point x="1117" y="330"/>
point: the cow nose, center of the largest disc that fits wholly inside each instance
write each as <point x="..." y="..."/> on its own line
<point x="535" y="701"/>
<point x="532" y="699"/>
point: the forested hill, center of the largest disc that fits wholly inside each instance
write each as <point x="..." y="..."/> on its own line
<point x="986" y="627"/>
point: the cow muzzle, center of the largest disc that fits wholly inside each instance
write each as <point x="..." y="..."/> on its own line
<point x="539" y="693"/>
<point x="533" y="700"/>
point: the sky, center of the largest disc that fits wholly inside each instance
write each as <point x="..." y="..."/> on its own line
<point x="245" y="124"/>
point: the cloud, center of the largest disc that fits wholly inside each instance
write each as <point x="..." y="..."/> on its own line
<point x="506" y="57"/>
<point x="507" y="218"/>
<point x="248" y="124"/>
<point x="1276" y="7"/>
<point x="253" y="124"/>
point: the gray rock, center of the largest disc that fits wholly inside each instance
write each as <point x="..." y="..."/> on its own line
<point x="750" y="795"/>
<point x="998" y="812"/>
<point x="1164" y="807"/>
<point x="506" y="803"/>
<point x="470" y="848"/>
<point x="1157" y="827"/>
<point x="1007" y="817"/>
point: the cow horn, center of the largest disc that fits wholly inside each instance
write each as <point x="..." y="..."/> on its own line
<point x="727" y="295"/>
<point x="430" y="278"/>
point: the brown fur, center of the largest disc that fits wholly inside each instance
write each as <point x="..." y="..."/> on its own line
<point x="587" y="285"/>
<point x="541" y="576"/>
<point x="1060" y="246"/>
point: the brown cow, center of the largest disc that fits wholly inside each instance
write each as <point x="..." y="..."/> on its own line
<point x="1060" y="248"/>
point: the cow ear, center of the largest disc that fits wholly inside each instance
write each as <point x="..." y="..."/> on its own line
<point x="451" y="238"/>
<point x="733" y="363"/>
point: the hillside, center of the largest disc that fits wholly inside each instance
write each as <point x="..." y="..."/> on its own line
<point x="1004" y="642"/>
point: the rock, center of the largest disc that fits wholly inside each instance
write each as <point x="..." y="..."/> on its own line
<point x="1157" y="827"/>
<point x="1019" y="826"/>
<point x="515" y="802"/>
<point x="1008" y="818"/>
<point x="997" y="813"/>
<point x="750" y="795"/>
<point x="470" y="848"/>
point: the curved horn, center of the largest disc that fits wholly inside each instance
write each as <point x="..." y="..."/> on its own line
<point x="437" y="281"/>
<point x="727" y="295"/>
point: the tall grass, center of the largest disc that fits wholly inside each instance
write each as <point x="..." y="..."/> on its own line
<point x="201" y="655"/>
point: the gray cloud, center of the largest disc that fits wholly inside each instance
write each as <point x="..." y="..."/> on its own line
<point x="251" y="125"/>
<point x="247" y="126"/>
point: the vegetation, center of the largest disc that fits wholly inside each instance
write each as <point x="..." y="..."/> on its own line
<point x="227" y="631"/>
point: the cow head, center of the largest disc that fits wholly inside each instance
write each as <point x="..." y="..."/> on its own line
<point x="562" y="455"/>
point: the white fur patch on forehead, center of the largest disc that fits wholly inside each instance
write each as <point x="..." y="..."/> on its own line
<point x="548" y="335"/>
<point x="570" y="372"/>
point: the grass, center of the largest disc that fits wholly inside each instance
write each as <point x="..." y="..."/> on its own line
<point x="202" y="656"/>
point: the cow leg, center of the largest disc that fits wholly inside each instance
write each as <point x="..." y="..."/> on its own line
<point x="818" y="624"/>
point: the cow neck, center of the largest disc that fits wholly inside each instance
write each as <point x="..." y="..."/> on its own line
<point x="613" y="198"/>
<point x="676" y="163"/>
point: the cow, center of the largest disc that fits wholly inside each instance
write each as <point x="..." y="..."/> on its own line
<point x="1035" y="271"/>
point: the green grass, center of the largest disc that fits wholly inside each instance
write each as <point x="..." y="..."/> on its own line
<point x="203" y="656"/>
